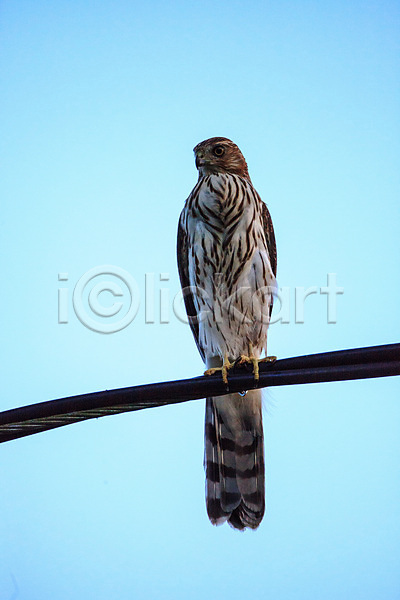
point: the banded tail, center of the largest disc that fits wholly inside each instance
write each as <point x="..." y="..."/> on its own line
<point x="234" y="460"/>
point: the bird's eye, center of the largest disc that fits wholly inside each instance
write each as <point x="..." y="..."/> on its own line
<point x="219" y="151"/>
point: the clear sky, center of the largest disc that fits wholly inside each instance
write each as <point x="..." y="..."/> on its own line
<point x="101" y="105"/>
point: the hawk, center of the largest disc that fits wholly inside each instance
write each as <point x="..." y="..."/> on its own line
<point x="227" y="267"/>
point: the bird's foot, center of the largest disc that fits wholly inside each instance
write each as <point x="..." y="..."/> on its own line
<point x="224" y="369"/>
<point x="252" y="360"/>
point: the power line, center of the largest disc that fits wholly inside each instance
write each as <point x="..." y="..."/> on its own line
<point x="342" y="365"/>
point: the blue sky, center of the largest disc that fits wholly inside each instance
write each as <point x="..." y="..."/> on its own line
<point x="101" y="106"/>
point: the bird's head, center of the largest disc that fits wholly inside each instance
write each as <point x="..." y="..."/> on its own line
<point x="220" y="155"/>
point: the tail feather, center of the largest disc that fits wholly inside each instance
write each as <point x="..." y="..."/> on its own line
<point x="234" y="460"/>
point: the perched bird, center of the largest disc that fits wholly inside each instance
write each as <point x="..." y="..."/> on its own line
<point x="227" y="266"/>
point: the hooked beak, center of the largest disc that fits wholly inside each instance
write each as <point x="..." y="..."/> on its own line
<point x="199" y="162"/>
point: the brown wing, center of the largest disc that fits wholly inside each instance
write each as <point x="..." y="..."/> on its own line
<point x="183" y="268"/>
<point x="270" y="239"/>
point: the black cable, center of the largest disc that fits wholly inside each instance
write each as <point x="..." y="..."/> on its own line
<point x="358" y="363"/>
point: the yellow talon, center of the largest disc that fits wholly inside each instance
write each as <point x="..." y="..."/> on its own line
<point x="224" y="369"/>
<point x="270" y="359"/>
<point x="243" y="359"/>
